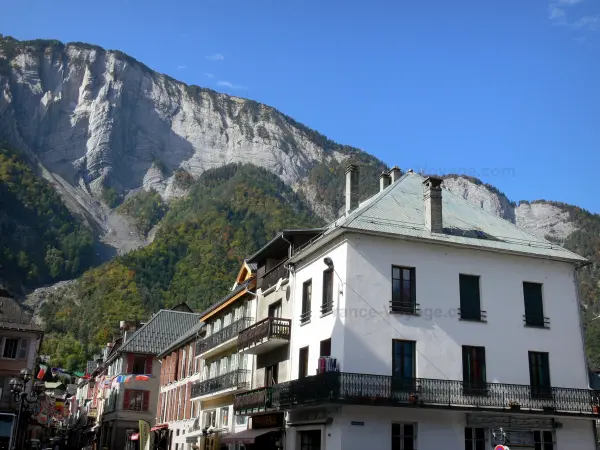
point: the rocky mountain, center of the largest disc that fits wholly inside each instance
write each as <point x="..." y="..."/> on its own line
<point x="147" y="162"/>
<point x="104" y="125"/>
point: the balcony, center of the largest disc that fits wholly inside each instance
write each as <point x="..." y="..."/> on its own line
<point x="221" y="340"/>
<point x="264" y="336"/>
<point x="257" y="400"/>
<point x="271" y="277"/>
<point x="380" y="390"/>
<point x="222" y="384"/>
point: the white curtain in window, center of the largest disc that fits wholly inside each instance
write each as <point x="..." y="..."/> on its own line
<point x="233" y="361"/>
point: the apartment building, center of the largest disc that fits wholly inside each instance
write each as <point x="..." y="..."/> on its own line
<point x="176" y="414"/>
<point x="132" y="375"/>
<point x="223" y="371"/>
<point x="20" y="341"/>
<point x="419" y="320"/>
<point x="268" y="339"/>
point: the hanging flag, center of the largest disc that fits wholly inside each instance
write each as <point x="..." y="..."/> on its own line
<point x="42" y="372"/>
<point x="145" y="435"/>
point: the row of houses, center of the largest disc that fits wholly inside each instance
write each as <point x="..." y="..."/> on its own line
<point x="415" y="320"/>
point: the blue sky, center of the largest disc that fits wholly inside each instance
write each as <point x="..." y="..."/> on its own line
<point x="508" y="91"/>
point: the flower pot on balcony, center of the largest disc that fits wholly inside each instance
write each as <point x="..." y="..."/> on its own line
<point x="413" y="399"/>
<point x="514" y="406"/>
<point x="596" y="409"/>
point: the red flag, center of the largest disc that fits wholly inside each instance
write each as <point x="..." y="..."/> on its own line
<point x="41" y="373"/>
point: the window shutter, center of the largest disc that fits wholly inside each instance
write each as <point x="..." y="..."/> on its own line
<point x="188" y="403"/>
<point x="126" y="396"/>
<point x="129" y="366"/>
<point x="169" y="368"/>
<point x="159" y="408"/>
<point x="148" y="365"/>
<point x="534" y="309"/>
<point x="23" y="344"/>
<point x="146" y="401"/>
<point x="469" y="297"/>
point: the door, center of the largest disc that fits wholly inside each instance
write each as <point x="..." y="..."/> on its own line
<point x="275" y="310"/>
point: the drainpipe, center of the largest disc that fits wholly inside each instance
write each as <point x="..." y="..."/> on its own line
<point x="581" y="331"/>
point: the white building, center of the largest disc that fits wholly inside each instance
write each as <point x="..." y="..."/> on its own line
<point x="451" y="328"/>
<point x="223" y="371"/>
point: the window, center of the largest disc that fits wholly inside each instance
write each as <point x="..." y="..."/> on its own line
<point x="224" y="417"/>
<point x="135" y="400"/>
<point x="474" y="439"/>
<point x="539" y="375"/>
<point x="325" y="348"/>
<point x="139" y="364"/>
<point x="241" y="420"/>
<point x="271" y="375"/>
<point x="11" y="348"/>
<point x="303" y="367"/>
<point x="275" y="310"/>
<point x="474" y="377"/>
<point x="404" y="436"/>
<point x="534" y="307"/>
<point x="470" y="301"/>
<point x="543" y="440"/>
<point x="306" y="301"/>
<point x="403" y="290"/>
<point x="327" y="301"/>
<point x="210" y="418"/>
<point x="310" y="440"/>
<point x="403" y="364"/>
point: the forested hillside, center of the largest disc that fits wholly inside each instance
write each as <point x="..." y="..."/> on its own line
<point x="230" y="212"/>
<point x="40" y="241"/>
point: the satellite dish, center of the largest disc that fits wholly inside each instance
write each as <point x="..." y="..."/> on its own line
<point x="278" y="285"/>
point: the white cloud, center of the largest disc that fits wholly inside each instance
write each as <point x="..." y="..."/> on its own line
<point x="229" y="85"/>
<point x="555" y="13"/>
<point x="591" y="23"/>
<point x="215" y="57"/>
<point x="208" y="75"/>
<point x="181" y="67"/>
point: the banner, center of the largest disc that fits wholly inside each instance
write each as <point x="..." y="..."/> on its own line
<point x="145" y="435"/>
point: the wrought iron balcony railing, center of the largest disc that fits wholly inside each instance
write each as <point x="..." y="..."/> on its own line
<point x="269" y="328"/>
<point x="536" y="321"/>
<point x="354" y="388"/>
<point x="223" y="335"/>
<point x="239" y="379"/>
<point x="253" y="401"/>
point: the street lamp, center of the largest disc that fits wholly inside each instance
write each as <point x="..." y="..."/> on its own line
<point x="18" y="387"/>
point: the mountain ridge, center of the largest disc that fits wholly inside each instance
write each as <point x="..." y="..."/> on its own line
<point x="106" y="130"/>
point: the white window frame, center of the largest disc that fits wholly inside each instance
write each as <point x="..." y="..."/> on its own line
<point x="401" y="435"/>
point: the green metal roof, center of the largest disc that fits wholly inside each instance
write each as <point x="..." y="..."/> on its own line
<point x="399" y="210"/>
<point x="160" y="331"/>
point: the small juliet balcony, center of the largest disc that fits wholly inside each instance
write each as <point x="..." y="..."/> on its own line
<point x="221" y="385"/>
<point x="221" y="340"/>
<point x="254" y="401"/>
<point x="264" y="336"/>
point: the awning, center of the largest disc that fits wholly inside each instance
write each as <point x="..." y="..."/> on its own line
<point x="247" y="436"/>
<point x="135" y="436"/>
<point x="161" y="426"/>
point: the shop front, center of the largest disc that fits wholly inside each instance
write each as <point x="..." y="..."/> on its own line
<point x="265" y="433"/>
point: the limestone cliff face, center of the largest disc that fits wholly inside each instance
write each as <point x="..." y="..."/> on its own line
<point x="540" y="218"/>
<point x="96" y="119"/>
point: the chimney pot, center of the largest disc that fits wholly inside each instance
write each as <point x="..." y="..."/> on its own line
<point x="432" y="198"/>
<point x="352" y="173"/>
<point x="395" y="173"/>
<point x="384" y="180"/>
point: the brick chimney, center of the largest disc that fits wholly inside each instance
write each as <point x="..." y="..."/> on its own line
<point x="351" y="187"/>
<point x="384" y="180"/>
<point x="395" y="173"/>
<point x="432" y="198"/>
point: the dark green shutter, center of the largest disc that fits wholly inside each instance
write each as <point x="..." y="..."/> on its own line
<point x="469" y="297"/>
<point x="534" y="308"/>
